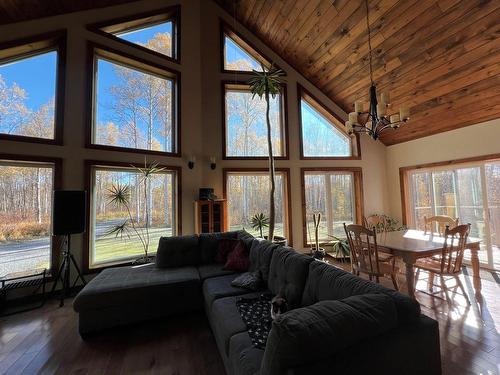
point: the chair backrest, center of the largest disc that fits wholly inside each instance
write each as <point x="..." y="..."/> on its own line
<point x="455" y="241"/>
<point x="364" y="250"/>
<point x="441" y="221"/>
<point x="376" y="221"/>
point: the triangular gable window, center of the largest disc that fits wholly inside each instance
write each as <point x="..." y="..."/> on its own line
<point x="239" y="55"/>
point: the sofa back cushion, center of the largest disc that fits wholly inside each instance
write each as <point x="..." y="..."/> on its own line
<point x="209" y="242"/>
<point x="326" y="282"/>
<point x="288" y="274"/>
<point x="317" y="332"/>
<point x="261" y="252"/>
<point x="177" y="251"/>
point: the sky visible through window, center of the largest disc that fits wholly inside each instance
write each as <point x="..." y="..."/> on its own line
<point x="320" y="137"/>
<point x="143" y="36"/>
<point x="134" y="109"/>
<point x="237" y="58"/>
<point x="26" y="86"/>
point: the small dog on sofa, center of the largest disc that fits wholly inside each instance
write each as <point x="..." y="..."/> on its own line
<point x="278" y="306"/>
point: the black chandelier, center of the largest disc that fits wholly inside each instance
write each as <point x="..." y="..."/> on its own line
<point x="376" y="120"/>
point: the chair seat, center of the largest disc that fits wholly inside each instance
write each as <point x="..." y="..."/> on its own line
<point x="385" y="257"/>
<point x="429" y="264"/>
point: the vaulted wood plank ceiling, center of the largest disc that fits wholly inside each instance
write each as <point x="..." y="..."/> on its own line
<point x="23" y="10"/>
<point x="440" y="57"/>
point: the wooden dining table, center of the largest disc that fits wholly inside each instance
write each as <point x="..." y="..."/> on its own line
<point x="412" y="244"/>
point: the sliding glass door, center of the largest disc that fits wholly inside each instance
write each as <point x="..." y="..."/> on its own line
<point x="469" y="192"/>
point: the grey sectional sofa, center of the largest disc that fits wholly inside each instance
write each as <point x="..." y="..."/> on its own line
<point x="338" y="323"/>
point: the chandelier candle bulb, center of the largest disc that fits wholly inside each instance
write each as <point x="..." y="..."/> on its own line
<point x="385" y="98"/>
<point x="358" y="106"/>
<point x="348" y="126"/>
<point x="381" y="109"/>
<point x="404" y="113"/>
<point x="353" y="118"/>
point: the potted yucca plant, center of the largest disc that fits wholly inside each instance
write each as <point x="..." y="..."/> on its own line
<point x="267" y="84"/>
<point x="119" y="195"/>
<point x="259" y="222"/>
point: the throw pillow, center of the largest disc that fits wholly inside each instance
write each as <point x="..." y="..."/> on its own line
<point x="248" y="280"/>
<point x="224" y="247"/>
<point x="238" y="259"/>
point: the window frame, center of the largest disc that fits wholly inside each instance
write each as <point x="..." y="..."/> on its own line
<point x="19" y="49"/>
<point x="357" y="173"/>
<point x="89" y="166"/>
<point x="139" y="21"/>
<point x="96" y="51"/>
<point x="287" y="194"/>
<point x="329" y="115"/>
<point x="55" y="241"/>
<point x="283" y="120"/>
<point x="243" y="43"/>
<point x="405" y="186"/>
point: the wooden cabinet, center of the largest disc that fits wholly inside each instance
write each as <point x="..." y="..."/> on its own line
<point x="210" y="216"/>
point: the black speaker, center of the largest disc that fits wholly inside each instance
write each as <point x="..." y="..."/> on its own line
<point x="69" y="212"/>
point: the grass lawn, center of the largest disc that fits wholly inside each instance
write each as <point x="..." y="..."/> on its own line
<point x="110" y="248"/>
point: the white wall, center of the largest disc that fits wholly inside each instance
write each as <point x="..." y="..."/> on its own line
<point x="471" y="141"/>
<point x="201" y="108"/>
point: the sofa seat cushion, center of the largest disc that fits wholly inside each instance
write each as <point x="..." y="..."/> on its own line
<point x="226" y="320"/>
<point x="319" y="331"/>
<point x="288" y="274"/>
<point x="245" y="359"/>
<point x="146" y="285"/>
<point x="207" y="271"/>
<point x="326" y="282"/>
<point x="220" y="287"/>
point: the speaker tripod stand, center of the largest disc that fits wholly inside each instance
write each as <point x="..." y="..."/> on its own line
<point x="64" y="273"/>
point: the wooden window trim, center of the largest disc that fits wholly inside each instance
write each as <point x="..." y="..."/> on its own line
<point x="404" y="171"/>
<point x="88" y="167"/>
<point x="358" y="194"/>
<point x="137" y="63"/>
<point x="32" y="46"/>
<point x="283" y="118"/>
<point x="245" y="44"/>
<point x="56" y="241"/>
<point x="286" y="172"/>
<point x="304" y="94"/>
<point x="139" y="21"/>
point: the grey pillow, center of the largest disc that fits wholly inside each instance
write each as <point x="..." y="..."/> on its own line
<point x="177" y="251"/>
<point x="248" y="280"/>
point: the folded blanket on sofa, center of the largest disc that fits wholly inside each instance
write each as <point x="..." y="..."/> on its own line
<point x="256" y="314"/>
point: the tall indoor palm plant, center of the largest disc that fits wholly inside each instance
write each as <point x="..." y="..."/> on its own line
<point x="267" y="84"/>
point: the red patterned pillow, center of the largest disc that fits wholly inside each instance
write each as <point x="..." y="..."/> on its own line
<point x="238" y="259"/>
<point x="224" y="247"/>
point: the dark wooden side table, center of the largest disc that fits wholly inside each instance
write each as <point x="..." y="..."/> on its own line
<point x="13" y="281"/>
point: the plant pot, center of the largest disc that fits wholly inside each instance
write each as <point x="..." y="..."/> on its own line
<point x="279" y="240"/>
<point x="144" y="260"/>
<point x="319" y="253"/>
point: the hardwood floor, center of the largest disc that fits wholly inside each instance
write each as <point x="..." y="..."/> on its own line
<point x="46" y="340"/>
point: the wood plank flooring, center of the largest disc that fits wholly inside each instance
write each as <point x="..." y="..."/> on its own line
<point x="46" y="340"/>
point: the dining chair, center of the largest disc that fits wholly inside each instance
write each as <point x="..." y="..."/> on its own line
<point x="365" y="255"/>
<point x="375" y="221"/>
<point x="439" y="221"/>
<point x="449" y="262"/>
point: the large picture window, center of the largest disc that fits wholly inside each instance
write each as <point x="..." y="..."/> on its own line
<point x="336" y="195"/>
<point x="26" y="214"/>
<point x="247" y="194"/>
<point x="31" y="89"/>
<point x="153" y="201"/>
<point x="469" y="191"/>
<point x="134" y="105"/>
<point x="321" y="132"/>
<point x="245" y="126"/>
